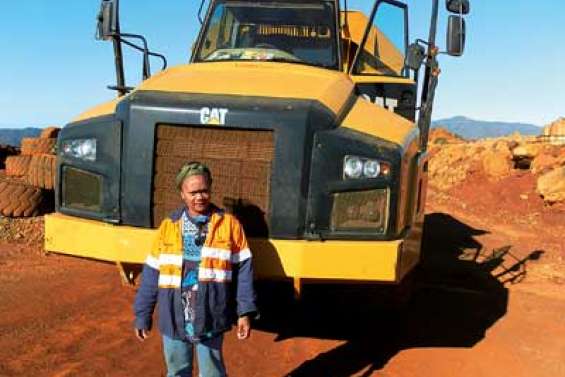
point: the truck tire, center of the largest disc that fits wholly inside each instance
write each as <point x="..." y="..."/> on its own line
<point x="17" y="166"/>
<point x="41" y="171"/>
<point x="49" y="133"/>
<point x="10" y="178"/>
<point x="21" y="200"/>
<point x="36" y="145"/>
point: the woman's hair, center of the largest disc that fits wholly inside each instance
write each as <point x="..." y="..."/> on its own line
<point x="193" y="168"/>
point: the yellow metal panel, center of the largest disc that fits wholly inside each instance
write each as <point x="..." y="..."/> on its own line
<point x="102" y="109"/>
<point x="331" y="88"/>
<point x="376" y="121"/>
<point x="351" y="260"/>
<point x="97" y="240"/>
<point x="357" y="23"/>
<point x="264" y="79"/>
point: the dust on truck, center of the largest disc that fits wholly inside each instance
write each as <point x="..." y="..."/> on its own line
<point x="310" y="118"/>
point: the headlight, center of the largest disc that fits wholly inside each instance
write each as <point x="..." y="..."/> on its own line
<point x="371" y="169"/>
<point x="359" y="167"/>
<point x="84" y="149"/>
<point x="352" y="167"/>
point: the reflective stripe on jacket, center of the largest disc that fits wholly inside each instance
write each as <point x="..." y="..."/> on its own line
<point x="225" y="271"/>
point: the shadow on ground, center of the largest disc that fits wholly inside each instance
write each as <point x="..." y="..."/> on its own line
<point x="456" y="299"/>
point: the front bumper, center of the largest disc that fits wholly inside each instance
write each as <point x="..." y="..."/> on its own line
<point x="386" y="261"/>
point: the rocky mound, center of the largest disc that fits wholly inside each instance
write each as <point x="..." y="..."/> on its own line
<point x="554" y="133"/>
<point x="27" y="231"/>
<point x="440" y="136"/>
<point x="453" y="163"/>
<point x="556" y="128"/>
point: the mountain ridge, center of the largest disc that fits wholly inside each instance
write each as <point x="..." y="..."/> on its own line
<point x="14" y="136"/>
<point x="478" y="129"/>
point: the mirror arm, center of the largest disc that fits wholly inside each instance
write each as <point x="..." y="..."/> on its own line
<point x="150" y="53"/>
<point x="119" y="63"/>
<point x="160" y="56"/>
<point x="430" y="80"/>
<point x="432" y="50"/>
<point x="425" y="116"/>
<point x="146" y="64"/>
<point x="200" y="12"/>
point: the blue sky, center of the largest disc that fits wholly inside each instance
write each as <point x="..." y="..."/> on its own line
<point x="52" y="68"/>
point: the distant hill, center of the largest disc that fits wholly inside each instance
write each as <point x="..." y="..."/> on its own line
<point x="478" y="129"/>
<point x="13" y="136"/>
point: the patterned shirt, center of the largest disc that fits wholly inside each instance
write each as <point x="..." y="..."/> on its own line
<point x="194" y="230"/>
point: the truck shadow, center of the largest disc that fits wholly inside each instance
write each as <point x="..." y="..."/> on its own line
<point x="457" y="297"/>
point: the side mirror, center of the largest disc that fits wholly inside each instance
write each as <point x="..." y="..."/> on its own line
<point x="107" y="20"/>
<point x="458" y="6"/>
<point x="415" y="56"/>
<point x="455" y="35"/>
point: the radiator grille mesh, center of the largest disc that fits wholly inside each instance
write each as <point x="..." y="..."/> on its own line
<point x="240" y="162"/>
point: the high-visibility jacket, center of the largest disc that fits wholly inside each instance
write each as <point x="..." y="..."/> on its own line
<point x="225" y="272"/>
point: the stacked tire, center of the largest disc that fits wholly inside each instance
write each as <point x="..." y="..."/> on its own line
<point x="16" y="166"/>
<point x="26" y="189"/>
<point x="41" y="171"/>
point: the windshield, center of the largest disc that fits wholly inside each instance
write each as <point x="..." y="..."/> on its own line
<point x="296" y="32"/>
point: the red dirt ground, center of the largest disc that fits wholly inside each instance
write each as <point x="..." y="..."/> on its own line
<point x="488" y="301"/>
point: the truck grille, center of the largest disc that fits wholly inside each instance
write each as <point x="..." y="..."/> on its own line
<point x="240" y="162"/>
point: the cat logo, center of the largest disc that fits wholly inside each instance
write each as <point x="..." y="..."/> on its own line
<point x="213" y="116"/>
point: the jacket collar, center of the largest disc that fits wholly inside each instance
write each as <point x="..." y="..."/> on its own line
<point x="177" y="214"/>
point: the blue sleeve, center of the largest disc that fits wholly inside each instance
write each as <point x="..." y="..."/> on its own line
<point x="146" y="298"/>
<point x="245" y="295"/>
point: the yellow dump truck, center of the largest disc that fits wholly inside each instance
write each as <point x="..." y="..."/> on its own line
<point x="310" y="118"/>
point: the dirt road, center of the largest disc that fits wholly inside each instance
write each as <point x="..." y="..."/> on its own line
<point x="489" y="301"/>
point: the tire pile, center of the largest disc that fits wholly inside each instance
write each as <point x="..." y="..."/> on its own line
<point x="26" y="187"/>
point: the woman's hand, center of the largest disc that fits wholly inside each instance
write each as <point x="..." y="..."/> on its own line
<point x="243" y="328"/>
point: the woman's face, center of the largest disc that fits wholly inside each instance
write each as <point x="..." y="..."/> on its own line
<point x="195" y="193"/>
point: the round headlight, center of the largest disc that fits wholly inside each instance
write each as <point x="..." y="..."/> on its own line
<point x="371" y="169"/>
<point x="86" y="148"/>
<point x="353" y="167"/>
